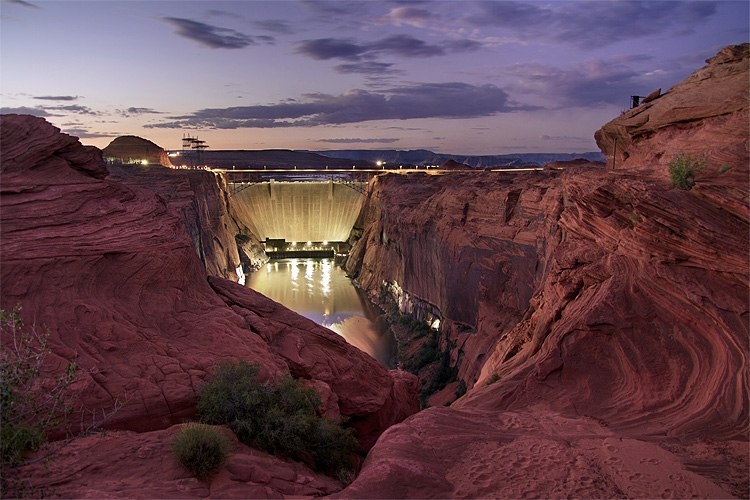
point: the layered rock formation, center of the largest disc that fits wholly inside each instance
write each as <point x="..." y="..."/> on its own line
<point x="705" y="115"/>
<point x="130" y="149"/>
<point x="598" y="317"/>
<point x="200" y="198"/>
<point x="111" y="272"/>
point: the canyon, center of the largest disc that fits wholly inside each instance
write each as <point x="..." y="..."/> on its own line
<point x="597" y="316"/>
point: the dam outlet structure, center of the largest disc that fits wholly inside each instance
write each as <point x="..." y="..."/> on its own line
<point x="311" y="218"/>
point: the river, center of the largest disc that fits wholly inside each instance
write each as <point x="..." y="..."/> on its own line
<point x="319" y="290"/>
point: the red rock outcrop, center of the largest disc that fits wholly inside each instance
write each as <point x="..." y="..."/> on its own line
<point x="599" y="318"/>
<point x="199" y="197"/>
<point x="111" y="272"/>
<point x="705" y="116"/>
<point x="140" y="465"/>
<point x="130" y="149"/>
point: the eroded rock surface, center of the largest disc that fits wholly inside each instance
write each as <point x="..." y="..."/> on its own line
<point x="200" y="199"/>
<point x="111" y="272"/>
<point x="141" y="465"/>
<point x="705" y="116"/>
<point x="599" y="318"/>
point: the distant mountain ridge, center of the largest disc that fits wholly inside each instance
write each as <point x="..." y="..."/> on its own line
<point x="368" y="158"/>
<point x="427" y="157"/>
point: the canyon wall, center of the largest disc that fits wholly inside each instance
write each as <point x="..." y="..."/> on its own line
<point x="110" y="271"/>
<point x="599" y="317"/>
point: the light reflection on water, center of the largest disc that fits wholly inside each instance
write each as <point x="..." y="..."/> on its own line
<point x="320" y="290"/>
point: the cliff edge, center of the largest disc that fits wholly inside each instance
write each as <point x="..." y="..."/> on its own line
<point x="109" y="270"/>
<point x="599" y="318"/>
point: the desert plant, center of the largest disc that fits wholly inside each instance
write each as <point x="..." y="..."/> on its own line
<point x="279" y="418"/>
<point x="201" y="448"/>
<point x="682" y="170"/>
<point x="30" y="404"/>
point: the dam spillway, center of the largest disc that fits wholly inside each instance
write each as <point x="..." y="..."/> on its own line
<point x="314" y="211"/>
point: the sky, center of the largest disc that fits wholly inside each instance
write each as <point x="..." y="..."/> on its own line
<point x="458" y="77"/>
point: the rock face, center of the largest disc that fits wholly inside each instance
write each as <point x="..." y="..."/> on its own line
<point x="200" y="198"/>
<point x="598" y="317"/>
<point x="133" y="149"/>
<point x="111" y="272"/>
<point x="706" y="116"/>
<point x="140" y="465"/>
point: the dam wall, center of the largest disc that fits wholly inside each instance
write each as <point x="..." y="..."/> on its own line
<point x="299" y="211"/>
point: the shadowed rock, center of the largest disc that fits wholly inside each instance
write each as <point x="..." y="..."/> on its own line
<point x="111" y="272"/>
<point x="607" y="344"/>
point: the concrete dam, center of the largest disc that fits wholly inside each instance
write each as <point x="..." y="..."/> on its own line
<point x="299" y="212"/>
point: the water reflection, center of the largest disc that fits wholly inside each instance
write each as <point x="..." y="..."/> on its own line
<point x="320" y="290"/>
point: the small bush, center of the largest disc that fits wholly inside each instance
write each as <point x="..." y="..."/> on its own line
<point x="278" y="418"/>
<point x="29" y="406"/>
<point x="682" y="170"/>
<point x="201" y="449"/>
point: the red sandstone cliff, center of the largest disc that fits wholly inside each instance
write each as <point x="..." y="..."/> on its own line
<point x="606" y="352"/>
<point x="706" y="115"/>
<point x="111" y="272"/>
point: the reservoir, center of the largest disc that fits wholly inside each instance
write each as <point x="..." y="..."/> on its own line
<point x="319" y="290"/>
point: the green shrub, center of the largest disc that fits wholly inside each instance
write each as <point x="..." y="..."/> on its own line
<point x="278" y="418"/>
<point x="201" y="449"/>
<point x="28" y="408"/>
<point x="682" y="170"/>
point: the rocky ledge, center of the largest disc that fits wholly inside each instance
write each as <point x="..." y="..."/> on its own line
<point x="110" y="271"/>
<point x="597" y="316"/>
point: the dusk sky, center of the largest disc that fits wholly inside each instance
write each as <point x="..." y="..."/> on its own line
<point x="451" y="76"/>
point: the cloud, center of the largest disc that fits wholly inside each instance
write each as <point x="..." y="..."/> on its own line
<point x="83" y="133"/>
<point x="141" y="111"/>
<point x="589" y="84"/>
<point x="363" y="57"/>
<point x="57" y="97"/>
<point x="71" y="108"/>
<point x="592" y="24"/>
<point x="23" y="110"/>
<point x="359" y="141"/>
<point x="411" y="16"/>
<point x="366" y="67"/>
<point x="393" y="45"/>
<point x="334" y="8"/>
<point x="331" y="48"/>
<point x="424" y="100"/>
<point x="274" y="26"/>
<point x="23" y="3"/>
<point x="213" y="36"/>
<point x="406" y="46"/>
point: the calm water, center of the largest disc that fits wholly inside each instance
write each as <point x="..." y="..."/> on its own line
<point x="320" y="290"/>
